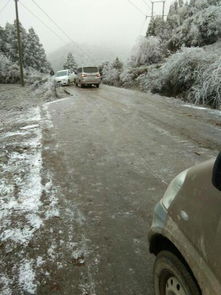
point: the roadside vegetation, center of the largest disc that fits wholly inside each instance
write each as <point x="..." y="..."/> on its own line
<point x="36" y="66"/>
<point x="179" y="56"/>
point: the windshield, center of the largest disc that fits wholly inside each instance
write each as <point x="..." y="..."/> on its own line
<point x="61" y="73"/>
<point x="90" y="69"/>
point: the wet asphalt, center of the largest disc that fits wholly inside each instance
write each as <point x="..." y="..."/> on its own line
<point x="112" y="153"/>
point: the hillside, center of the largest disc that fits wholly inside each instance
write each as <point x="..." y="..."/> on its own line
<point x="179" y="56"/>
<point x="85" y="54"/>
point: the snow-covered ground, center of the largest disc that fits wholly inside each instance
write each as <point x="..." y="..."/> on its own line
<point x="39" y="229"/>
<point x="22" y="212"/>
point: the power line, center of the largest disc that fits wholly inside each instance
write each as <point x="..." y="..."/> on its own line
<point x="43" y="23"/>
<point x="163" y="7"/>
<point x="54" y="22"/>
<point x="146" y="3"/>
<point x="137" y="8"/>
<point x="3" y="8"/>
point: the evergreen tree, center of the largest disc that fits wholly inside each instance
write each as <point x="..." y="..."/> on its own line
<point x="70" y="63"/>
<point x="159" y="28"/>
<point x="34" y="54"/>
<point x="11" y="42"/>
<point x="117" y="64"/>
<point x="2" y="40"/>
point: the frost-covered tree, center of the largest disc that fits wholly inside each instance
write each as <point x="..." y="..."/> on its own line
<point x="159" y="28"/>
<point x="192" y="74"/>
<point x="70" y="62"/>
<point x="34" y="54"/>
<point x="112" y="71"/>
<point x="3" y="39"/>
<point x="9" y="71"/>
<point x="147" y="51"/>
<point x="11" y="42"/>
<point x="117" y="64"/>
<point x="169" y="59"/>
<point x="202" y="28"/>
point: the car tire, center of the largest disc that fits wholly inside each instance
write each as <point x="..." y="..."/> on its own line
<point x="98" y="85"/>
<point x="171" y="276"/>
<point x="69" y="82"/>
<point x="81" y="85"/>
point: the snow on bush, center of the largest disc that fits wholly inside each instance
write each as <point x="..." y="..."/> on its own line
<point x="178" y="74"/>
<point x="111" y="73"/>
<point x="147" y="79"/>
<point x="111" y="76"/>
<point x="147" y="51"/>
<point x="42" y="84"/>
<point x="202" y="28"/>
<point x="207" y="88"/>
<point x="192" y="74"/>
<point x="129" y="76"/>
<point x="9" y="72"/>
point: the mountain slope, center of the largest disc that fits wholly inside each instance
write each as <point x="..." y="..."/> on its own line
<point x="85" y="54"/>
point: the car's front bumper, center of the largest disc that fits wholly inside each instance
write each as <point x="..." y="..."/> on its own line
<point x="62" y="82"/>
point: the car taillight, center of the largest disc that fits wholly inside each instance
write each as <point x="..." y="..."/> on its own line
<point x="83" y="75"/>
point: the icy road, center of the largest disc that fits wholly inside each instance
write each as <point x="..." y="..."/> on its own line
<point x="92" y="166"/>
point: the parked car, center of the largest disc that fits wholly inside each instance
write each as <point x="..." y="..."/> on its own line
<point x="65" y="77"/>
<point x="88" y="76"/>
<point x="185" y="234"/>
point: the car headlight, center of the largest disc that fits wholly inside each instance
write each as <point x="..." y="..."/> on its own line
<point x="173" y="189"/>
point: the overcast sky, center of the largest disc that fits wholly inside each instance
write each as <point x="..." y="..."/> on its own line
<point x="109" y="22"/>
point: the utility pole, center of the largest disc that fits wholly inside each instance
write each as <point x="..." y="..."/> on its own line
<point x="152" y="3"/>
<point x="19" y="45"/>
<point x="163" y="10"/>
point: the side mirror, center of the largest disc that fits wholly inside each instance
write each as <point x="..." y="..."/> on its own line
<point x="216" y="177"/>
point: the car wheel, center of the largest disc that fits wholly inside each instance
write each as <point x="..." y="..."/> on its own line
<point x="81" y="85"/>
<point x="69" y="82"/>
<point x="98" y="85"/>
<point x="171" y="276"/>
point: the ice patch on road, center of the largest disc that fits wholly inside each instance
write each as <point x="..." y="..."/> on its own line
<point x="30" y="126"/>
<point x="193" y="106"/>
<point x="17" y="133"/>
<point x="58" y="101"/>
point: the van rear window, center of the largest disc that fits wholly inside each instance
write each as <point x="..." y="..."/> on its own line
<point x="90" y="70"/>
